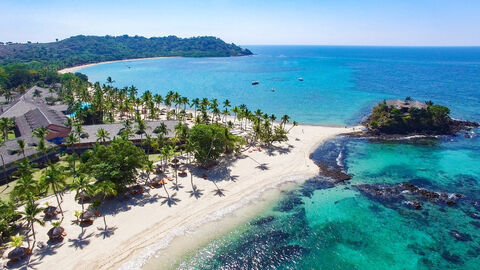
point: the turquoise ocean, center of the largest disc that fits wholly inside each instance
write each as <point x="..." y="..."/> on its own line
<point x="319" y="226"/>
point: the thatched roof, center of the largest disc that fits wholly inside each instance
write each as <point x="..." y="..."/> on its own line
<point x="17" y="253"/>
<point x="406" y="104"/>
<point x="87" y="214"/>
<point x="83" y="197"/>
<point x="50" y="210"/>
<point x="55" y="232"/>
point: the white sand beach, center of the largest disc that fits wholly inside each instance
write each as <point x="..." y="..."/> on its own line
<point x="76" y="68"/>
<point x="140" y="226"/>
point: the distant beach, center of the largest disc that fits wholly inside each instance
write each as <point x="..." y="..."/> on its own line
<point x="76" y="68"/>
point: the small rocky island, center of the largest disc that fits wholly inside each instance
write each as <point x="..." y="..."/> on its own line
<point x="411" y="117"/>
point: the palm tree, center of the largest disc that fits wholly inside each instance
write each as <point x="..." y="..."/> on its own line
<point x="162" y="129"/>
<point x="26" y="189"/>
<point x="102" y="135"/>
<point x="294" y="124"/>
<point x="40" y="133"/>
<point x="110" y="81"/>
<point x="195" y="103"/>
<point x="105" y="189"/>
<point x="29" y="215"/>
<point x="54" y="178"/>
<point x="42" y="147"/>
<point x="149" y="169"/>
<point x="158" y="99"/>
<point x="6" y="124"/>
<point x="285" y="119"/>
<point x="167" y="153"/>
<point x="22" y="145"/>
<point x="141" y="127"/>
<point x="81" y="184"/>
<point x="37" y="94"/>
<point x="78" y="130"/>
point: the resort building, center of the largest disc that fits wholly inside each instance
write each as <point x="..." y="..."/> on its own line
<point x="405" y="105"/>
<point x="30" y="111"/>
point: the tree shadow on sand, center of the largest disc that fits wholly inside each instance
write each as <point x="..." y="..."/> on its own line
<point x="170" y="200"/>
<point x="262" y="166"/>
<point x="46" y="250"/>
<point x="176" y="186"/>
<point x="273" y="150"/>
<point x="196" y="192"/>
<point x="106" y="232"/>
<point x="81" y="241"/>
<point x="218" y="191"/>
<point x="25" y="263"/>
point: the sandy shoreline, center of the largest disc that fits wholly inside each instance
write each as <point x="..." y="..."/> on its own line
<point x="76" y="68"/>
<point x="141" y="226"/>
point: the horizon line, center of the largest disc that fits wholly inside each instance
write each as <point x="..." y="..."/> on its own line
<point x="367" y="45"/>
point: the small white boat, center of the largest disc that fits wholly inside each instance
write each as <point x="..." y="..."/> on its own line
<point x="255" y="83"/>
<point x="300" y="79"/>
<point x="273" y="89"/>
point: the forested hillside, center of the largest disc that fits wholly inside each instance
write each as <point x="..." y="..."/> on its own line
<point x="81" y="49"/>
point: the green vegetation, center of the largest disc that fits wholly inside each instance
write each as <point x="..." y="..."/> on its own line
<point x="81" y="49"/>
<point x="208" y="142"/>
<point x="19" y="76"/>
<point x="7" y="216"/>
<point x="434" y="119"/>
<point x="117" y="162"/>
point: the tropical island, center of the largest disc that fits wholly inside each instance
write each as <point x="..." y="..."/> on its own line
<point x="411" y="117"/>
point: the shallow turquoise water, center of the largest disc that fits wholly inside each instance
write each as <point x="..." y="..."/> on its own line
<point x="318" y="227"/>
<point x="322" y="227"/>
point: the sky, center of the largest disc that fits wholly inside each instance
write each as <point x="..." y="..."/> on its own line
<point x="250" y="22"/>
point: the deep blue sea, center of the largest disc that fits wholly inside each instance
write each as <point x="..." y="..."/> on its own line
<point x="320" y="227"/>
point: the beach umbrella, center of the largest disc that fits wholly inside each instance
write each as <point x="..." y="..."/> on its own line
<point x="83" y="197"/>
<point x="175" y="160"/>
<point x="87" y="214"/>
<point x="56" y="232"/>
<point x="17" y="253"/>
<point x="50" y="211"/>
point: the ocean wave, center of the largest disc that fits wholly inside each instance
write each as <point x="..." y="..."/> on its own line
<point x="140" y="259"/>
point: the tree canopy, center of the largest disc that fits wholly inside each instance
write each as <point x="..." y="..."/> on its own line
<point x="117" y="162"/>
<point x="208" y="142"/>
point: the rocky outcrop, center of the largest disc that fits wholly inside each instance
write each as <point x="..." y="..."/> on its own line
<point x="407" y="194"/>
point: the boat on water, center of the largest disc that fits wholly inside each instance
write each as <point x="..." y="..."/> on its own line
<point x="300" y="79"/>
<point x="273" y="90"/>
<point x="255" y="82"/>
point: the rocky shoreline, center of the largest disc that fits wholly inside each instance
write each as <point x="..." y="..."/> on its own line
<point x="407" y="194"/>
<point x="456" y="127"/>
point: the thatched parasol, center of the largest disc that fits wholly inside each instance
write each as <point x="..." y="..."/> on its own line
<point x="50" y="211"/>
<point x="175" y="166"/>
<point x="83" y="197"/>
<point x="89" y="214"/>
<point x="136" y="190"/>
<point x="17" y="253"/>
<point x="175" y="160"/>
<point x="56" y="233"/>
